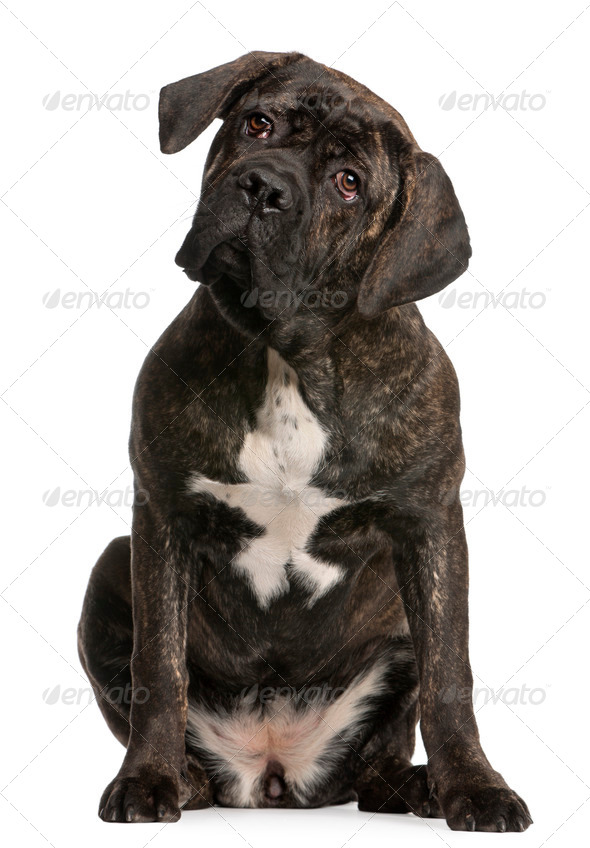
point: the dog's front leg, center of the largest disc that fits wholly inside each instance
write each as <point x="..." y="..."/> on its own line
<point x="433" y="578"/>
<point x="150" y="784"/>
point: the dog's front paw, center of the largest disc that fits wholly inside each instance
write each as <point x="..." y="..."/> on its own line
<point x="147" y="797"/>
<point x="493" y="809"/>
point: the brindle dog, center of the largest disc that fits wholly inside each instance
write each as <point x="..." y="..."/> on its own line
<point x="294" y="592"/>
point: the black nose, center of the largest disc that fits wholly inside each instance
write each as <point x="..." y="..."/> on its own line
<point x="268" y="190"/>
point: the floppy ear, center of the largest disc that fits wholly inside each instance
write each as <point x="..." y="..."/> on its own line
<point x="188" y="106"/>
<point x="426" y="246"/>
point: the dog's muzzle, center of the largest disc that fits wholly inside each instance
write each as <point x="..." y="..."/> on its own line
<point x="257" y="211"/>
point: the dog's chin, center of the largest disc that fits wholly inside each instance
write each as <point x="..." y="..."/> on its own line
<point x="193" y="274"/>
<point x="227" y="260"/>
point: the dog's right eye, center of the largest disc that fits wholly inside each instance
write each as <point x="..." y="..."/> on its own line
<point x="258" y="126"/>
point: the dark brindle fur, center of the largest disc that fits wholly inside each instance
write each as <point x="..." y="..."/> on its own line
<point x="345" y="396"/>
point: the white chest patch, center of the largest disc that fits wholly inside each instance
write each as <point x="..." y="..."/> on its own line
<point x="279" y="459"/>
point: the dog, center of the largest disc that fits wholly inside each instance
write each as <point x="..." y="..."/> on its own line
<point x="293" y="596"/>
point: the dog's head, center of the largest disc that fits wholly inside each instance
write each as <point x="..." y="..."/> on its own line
<point x="313" y="184"/>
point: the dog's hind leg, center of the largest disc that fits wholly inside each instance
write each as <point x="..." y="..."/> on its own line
<point x="105" y="646"/>
<point x="105" y="635"/>
<point x="389" y="783"/>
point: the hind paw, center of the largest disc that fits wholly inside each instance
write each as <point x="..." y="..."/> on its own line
<point x="401" y="791"/>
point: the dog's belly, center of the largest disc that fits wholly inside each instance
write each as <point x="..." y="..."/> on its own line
<point x="280" y="746"/>
<point x="265" y="738"/>
<point x="278" y="459"/>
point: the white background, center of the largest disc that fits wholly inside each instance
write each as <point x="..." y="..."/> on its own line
<point x="90" y="204"/>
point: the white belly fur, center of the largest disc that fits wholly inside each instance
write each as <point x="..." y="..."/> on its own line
<point x="278" y="459"/>
<point x="308" y="742"/>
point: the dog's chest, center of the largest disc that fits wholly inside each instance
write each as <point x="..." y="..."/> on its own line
<point x="278" y="459"/>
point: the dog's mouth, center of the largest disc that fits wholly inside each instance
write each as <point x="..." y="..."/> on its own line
<point x="228" y="258"/>
<point x="241" y="250"/>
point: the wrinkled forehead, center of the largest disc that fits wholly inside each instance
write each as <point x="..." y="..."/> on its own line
<point x="313" y="92"/>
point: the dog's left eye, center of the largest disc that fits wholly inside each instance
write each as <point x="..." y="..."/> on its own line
<point x="258" y="126"/>
<point x="347" y="184"/>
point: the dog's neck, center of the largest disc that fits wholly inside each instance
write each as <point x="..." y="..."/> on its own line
<point x="306" y="342"/>
<point x="300" y="334"/>
<point x="315" y="344"/>
<point x="305" y="339"/>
